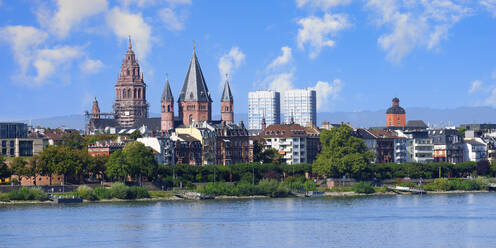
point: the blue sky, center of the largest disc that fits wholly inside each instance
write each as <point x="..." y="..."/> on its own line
<point x="58" y="55"/>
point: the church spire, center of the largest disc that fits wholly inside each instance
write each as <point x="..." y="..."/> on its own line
<point x="194" y="88"/>
<point x="129" y="45"/>
<point x="167" y="93"/>
<point x="226" y="94"/>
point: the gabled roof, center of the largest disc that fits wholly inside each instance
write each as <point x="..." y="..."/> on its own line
<point x="194" y="88"/>
<point x="167" y="93"/>
<point x="226" y="94"/>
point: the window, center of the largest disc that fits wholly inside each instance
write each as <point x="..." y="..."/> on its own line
<point x="11" y="143"/>
<point x="134" y="96"/>
<point x="139" y="93"/>
<point x="11" y="151"/>
<point x="124" y="93"/>
<point x="129" y="93"/>
<point x="4" y="143"/>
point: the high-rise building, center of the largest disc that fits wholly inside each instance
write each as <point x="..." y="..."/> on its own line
<point x="263" y="104"/>
<point x="300" y="106"/>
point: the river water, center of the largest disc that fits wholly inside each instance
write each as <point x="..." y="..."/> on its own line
<point x="441" y="220"/>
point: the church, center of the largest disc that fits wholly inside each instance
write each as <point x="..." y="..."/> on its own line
<point x="130" y="108"/>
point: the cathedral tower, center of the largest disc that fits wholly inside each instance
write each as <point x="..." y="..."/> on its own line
<point x="226" y="104"/>
<point x="167" y="109"/>
<point x="130" y="92"/>
<point x="194" y="101"/>
<point x="95" y="110"/>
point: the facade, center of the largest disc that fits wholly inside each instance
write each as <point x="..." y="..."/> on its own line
<point x="14" y="141"/>
<point x="475" y="150"/>
<point x="419" y="145"/>
<point x="447" y="145"/>
<point x="130" y="92"/>
<point x="103" y="149"/>
<point x="295" y="143"/>
<point x="233" y="144"/>
<point x="301" y="106"/>
<point x="263" y="105"/>
<point x="395" y="115"/>
<point x="187" y="149"/>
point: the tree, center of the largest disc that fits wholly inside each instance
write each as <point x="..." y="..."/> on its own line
<point x="135" y="135"/>
<point x="140" y="160"/>
<point x="271" y="156"/>
<point x="18" y="167"/>
<point x="72" y="163"/>
<point x="258" y="146"/>
<point x="343" y="155"/>
<point x="73" y="140"/>
<point x="5" y="172"/>
<point x="117" y="168"/>
<point x="461" y="131"/>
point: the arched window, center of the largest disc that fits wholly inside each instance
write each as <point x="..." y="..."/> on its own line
<point x="134" y="96"/>
<point x="163" y="108"/>
<point x="190" y="119"/>
<point x="139" y="93"/>
<point x="124" y="93"/>
<point x="127" y="72"/>
<point x="168" y="108"/>
<point x="129" y="93"/>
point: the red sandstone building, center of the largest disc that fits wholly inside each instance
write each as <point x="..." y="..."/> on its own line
<point x="395" y="115"/>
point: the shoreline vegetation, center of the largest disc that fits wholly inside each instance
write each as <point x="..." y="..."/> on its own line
<point x="122" y="193"/>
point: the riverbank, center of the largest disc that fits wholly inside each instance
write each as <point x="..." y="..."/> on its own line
<point x="225" y="197"/>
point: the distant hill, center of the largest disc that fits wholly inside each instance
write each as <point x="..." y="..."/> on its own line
<point x="434" y="117"/>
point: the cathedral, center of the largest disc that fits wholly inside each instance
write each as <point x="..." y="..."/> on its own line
<point x="130" y="108"/>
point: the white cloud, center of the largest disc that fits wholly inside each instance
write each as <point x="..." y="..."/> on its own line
<point x="91" y="66"/>
<point x="415" y="23"/>
<point x="285" y="58"/>
<point x="24" y="40"/>
<point x="474" y="86"/>
<point x="171" y="20"/>
<point x="71" y="13"/>
<point x="230" y="61"/>
<point x="317" y="31"/>
<point x="47" y="60"/>
<point x="490" y="6"/>
<point x="125" y="24"/>
<point x="326" y="91"/>
<point x="322" y="4"/>
<point x="281" y="82"/>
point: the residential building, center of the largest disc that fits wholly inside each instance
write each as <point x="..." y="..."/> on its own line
<point x="419" y="145"/>
<point x="300" y="105"/>
<point x="447" y="145"/>
<point x="475" y="150"/>
<point x="263" y="105"/>
<point x="103" y="148"/>
<point x="295" y="143"/>
<point x="187" y="149"/>
<point x="395" y="115"/>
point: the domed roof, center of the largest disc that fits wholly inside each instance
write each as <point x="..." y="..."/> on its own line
<point x="395" y="110"/>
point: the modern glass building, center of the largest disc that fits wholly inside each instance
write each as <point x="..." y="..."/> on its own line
<point x="262" y="104"/>
<point x="301" y="105"/>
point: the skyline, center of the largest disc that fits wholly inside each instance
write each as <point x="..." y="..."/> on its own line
<point x="75" y="52"/>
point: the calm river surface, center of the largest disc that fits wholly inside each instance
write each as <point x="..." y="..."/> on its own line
<point x="450" y="220"/>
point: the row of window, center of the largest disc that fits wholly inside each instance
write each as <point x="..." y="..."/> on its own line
<point x="128" y="93"/>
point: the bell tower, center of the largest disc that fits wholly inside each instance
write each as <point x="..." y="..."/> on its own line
<point x="226" y="104"/>
<point x="167" y="109"/>
<point x="130" y="91"/>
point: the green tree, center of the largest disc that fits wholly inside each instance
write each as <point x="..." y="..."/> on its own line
<point x="343" y="155"/>
<point x="18" y="167"/>
<point x="141" y="161"/>
<point x="135" y="135"/>
<point x="64" y="160"/>
<point x="258" y="146"/>
<point x="271" y="156"/>
<point x="74" y="141"/>
<point x="5" y="172"/>
<point x="117" y="168"/>
<point x="461" y="131"/>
